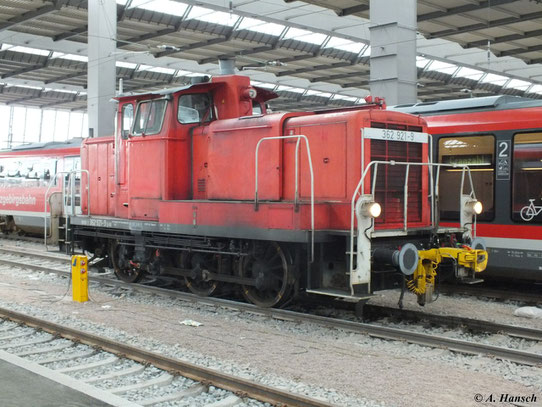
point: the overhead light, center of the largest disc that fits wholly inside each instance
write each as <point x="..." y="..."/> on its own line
<point x="167" y="47"/>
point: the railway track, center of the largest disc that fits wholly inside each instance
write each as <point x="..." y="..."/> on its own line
<point x="128" y="372"/>
<point x="475" y="291"/>
<point x="492" y="293"/>
<point x="374" y="330"/>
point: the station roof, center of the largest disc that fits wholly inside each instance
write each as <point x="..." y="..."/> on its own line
<point x="313" y="53"/>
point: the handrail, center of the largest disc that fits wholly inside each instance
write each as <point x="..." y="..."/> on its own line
<point x="296" y="194"/>
<point x="51" y="183"/>
<point x="71" y="193"/>
<point x="361" y="186"/>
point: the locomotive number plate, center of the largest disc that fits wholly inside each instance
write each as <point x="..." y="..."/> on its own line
<point x="395" y="135"/>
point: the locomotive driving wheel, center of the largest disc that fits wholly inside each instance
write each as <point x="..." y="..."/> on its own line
<point x="125" y="269"/>
<point x="270" y="265"/>
<point x="200" y="264"/>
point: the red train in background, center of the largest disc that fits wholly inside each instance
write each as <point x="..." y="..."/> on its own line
<point x="203" y="184"/>
<point x="26" y="173"/>
<point x="500" y="138"/>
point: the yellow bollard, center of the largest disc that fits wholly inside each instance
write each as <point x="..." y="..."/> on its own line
<point x="80" y="278"/>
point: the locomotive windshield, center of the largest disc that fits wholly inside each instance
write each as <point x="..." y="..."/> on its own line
<point x="127" y="119"/>
<point x="194" y="108"/>
<point x="149" y="117"/>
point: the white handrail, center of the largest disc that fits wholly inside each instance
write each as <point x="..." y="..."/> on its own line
<point x="72" y="196"/>
<point x="296" y="194"/>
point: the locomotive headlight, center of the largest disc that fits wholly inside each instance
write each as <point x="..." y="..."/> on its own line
<point x="474" y="207"/>
<point x="374" y="209"/>
<point x="371" y="209"/>
<point x="477" y="207"/>
<point x="367" y="207"/>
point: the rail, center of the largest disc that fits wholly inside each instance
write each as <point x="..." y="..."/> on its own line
<point x="361" y="187"/>
<point x="296" y="194"/>
<point x="71" y="194"/>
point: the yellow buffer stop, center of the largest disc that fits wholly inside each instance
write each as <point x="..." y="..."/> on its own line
<point x="80" y="278"/>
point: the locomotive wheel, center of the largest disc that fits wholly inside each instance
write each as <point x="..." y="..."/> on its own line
<point x="199" y="263"/>
<point x="270" y="265"/>
<point x="125" y="269"/>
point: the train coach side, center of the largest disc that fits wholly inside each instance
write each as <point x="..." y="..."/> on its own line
<point x="27" y="172"/>
<point x="501" y="139"/>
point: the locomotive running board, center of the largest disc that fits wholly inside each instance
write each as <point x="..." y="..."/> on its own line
<point x="338" y="294"/>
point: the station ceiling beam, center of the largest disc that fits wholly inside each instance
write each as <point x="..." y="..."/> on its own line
<point x="504" y="38"/>
<point x="479" y="5"/>
<point x="490" y="24"/>
<point x="32" y="14"/>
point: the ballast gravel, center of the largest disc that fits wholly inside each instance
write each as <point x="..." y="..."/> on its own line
<point x="341" y="367"/>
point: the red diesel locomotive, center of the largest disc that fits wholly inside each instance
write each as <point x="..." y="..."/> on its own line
<point x="202" y="183"/>
<point x="500" y="138"/>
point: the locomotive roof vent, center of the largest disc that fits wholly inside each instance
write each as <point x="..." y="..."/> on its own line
<point x="227" y="66"/>
<point x="194" y="80"/>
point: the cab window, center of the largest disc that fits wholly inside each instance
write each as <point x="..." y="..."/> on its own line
<point x="149" y="117"/>
<point x="526" y="176"/>
<point x="127" y="120"/>
<point x="194" y="108"/>
<point x="478" y="152"/>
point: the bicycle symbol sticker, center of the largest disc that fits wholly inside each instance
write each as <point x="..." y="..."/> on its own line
<point x="528" y="212"/>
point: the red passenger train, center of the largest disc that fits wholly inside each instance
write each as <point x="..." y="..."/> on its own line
<point x="202" y="183"/>
<point x="500" y="138"/>
<point x="25" y="179"/>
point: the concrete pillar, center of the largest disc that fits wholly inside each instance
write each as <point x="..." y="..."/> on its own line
<point x="393" y="50"/>
<point x="102" y="45"/>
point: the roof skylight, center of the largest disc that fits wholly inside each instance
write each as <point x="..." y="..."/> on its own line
<point x="71" y="57"/>
<point x="285" y="88"/>
<point x="211" y="16"/>
<point x="345" y="97"/>
<point x="162" y="6"/>
<point x="536" y="89"/>
<point x="345" y="45"/>
<point x="494" y="79"/>
<point x="25" y="50"/>
<point x="518" y="84"/>
<point x="157" y="69"/>
<point x="422" y="62"/>
<point x="123" y="64"/>
<point x="263" y="85"/>
<point x="443" y="67"/>
<point x="311" y="92"/>
<point x="305" y="36"/>
<point x="470" y="73"/>
<point x="253" y="24"/>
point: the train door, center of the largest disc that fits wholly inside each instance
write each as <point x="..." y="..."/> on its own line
<point x="125" y="122"/>
<point x="145" y="159"/>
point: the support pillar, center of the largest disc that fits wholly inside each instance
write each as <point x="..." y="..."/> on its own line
<point x="393" y="50"/>
<point x="102" y="45"/>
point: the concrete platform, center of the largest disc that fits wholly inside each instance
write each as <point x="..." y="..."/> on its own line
<point x="24" y="384"/>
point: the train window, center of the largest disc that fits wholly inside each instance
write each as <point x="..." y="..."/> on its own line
<point x="256" y="108"/>
<point x="72" y="164"/>
<point x="127" y="120"/>
<point x="194" y="108"/>
<point x="526" y="175"/>
<point x="149" y="117"/>
<point x="478" y="152"/>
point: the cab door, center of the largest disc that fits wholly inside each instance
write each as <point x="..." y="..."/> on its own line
<point x="145" y="158"/>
